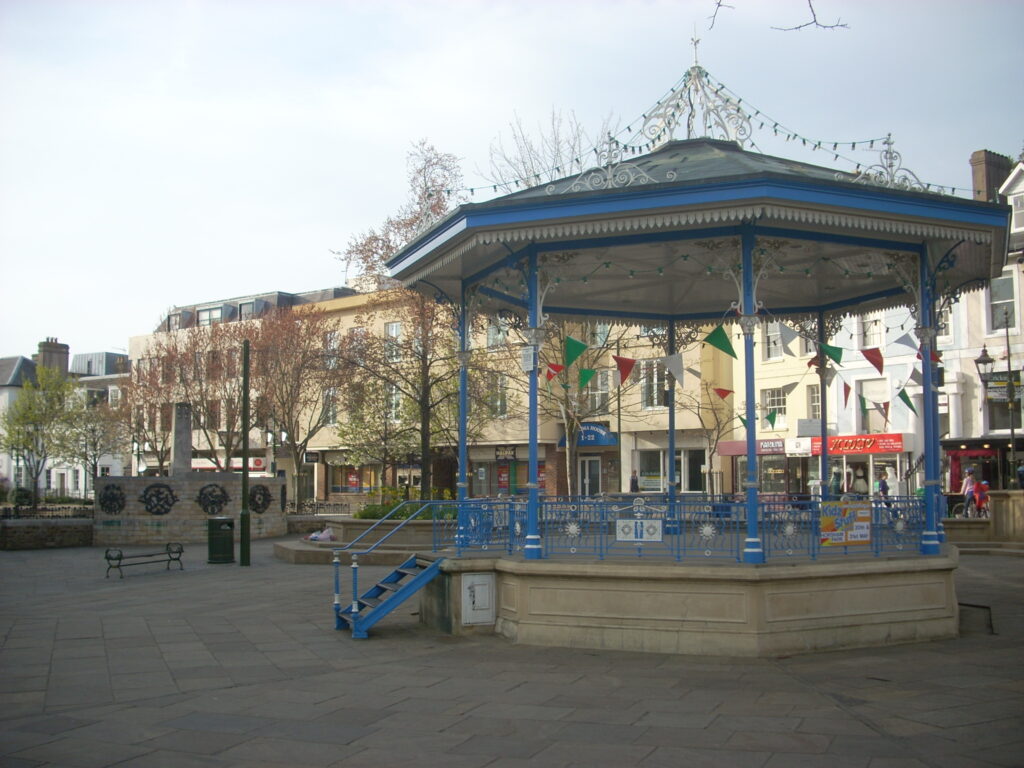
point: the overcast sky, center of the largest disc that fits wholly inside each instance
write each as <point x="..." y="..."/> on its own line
<point x="157" y="153"/>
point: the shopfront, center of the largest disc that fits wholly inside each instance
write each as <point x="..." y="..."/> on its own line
<point x="856" y="463"/>
<point x="502" y="470"/>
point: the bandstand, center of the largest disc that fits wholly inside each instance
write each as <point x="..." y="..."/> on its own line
<point x="691" y="234"/>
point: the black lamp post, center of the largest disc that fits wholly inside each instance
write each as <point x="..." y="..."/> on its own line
<point x="984" y="363"/>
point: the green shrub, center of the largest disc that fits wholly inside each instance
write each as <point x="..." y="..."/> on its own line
<point x="22" y="497"/>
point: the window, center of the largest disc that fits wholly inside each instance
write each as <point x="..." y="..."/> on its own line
<point x="394" y="402"/>
<point x="772" y="341"/>
<point x="173" y="322"/>
<point x="114" y="395"/>
<point x="1002" y="302"/>
<point x="497" y="332"/>
<point x="599" y="335"/>
<point x="652" y="384"/>
<point x="944" y="323"/>
<point x="246" y="310"/>
<point x="104" y="471"/>
<point x="209" y="316"/>
<point x="166" y="371"/>
<point x="166" y="418"/>
<point x="497" y="395"/>
<point x="74" y="479"/>
<point x="49" y="479"/>
<point x="331" y="342"/>
<point x="872" y="333"/>
<point x="873" y="392"/>
<point x="214" y="365"/>
<point x="393" y="340"/>
<point x="808" y="346"/>
<point x="1017" y="222"/>
<point x="597" y="392"/>
<point x="330" y="405"/>
<point x="813" y="401"/>
<point x="773" y="401"/>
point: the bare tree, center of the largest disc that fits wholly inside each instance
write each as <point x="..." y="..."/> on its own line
<point x="812" y="22"/>
<point x="716" y="419"/>
<point x="296" y="376"/>
<point x="416" y="355"/>
<point x="146" y="407"/>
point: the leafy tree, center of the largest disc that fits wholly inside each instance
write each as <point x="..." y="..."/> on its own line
<point x="33" y="427"/>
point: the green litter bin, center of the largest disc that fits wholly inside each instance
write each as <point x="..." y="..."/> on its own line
<point x="220" y="539"/>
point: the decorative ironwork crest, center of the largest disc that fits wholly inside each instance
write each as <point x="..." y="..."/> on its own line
<point x="112" y="499"/>
<point x="158" y="498"/>
<point x="212" y="498"/>
<point x="888" y="171"/>
<point x="612" y="172"/>
<point x="259" y="499"/>
<point x="704" y="110"/>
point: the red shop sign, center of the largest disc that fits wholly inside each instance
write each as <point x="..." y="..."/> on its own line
<point x="842" y="445"/>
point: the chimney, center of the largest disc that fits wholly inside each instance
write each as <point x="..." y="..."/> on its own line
<point x="52" y="354"/>
<point x="988" y="172"/>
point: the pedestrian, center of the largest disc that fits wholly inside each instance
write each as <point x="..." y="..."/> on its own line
<point x="634" y="483"/>
<point x="883" y="488"/>
<point x="981" y="498"/>
<point x="967" y="490"/>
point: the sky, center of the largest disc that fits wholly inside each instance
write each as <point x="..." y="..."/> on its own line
<point x="156" y="153"/>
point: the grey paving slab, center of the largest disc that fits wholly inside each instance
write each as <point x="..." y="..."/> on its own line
<point x="190" y="669"/>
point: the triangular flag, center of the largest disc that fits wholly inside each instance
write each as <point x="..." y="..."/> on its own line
<point x="786" y="337"/>
<point x="695" y="372"/>
<point x="742" y="420"/>
<point x="936" y="355"/>
<point x="906" y="340"/>
<point x="836" y="353"/>
<point x="846" y="394"/>
<point x="553" y="370"/>
<point x="906" y="399"/>
<point x="770" y="418"/>
<point x="830" y="374"/>
<point x="573" y="349"/>
<point x="874" y="356"/>
<point x="863" y="402"/>
<point x="674" y="365"/>
<point x="722" y="393"/>
<point x="625" y="367"/>
<point x="789" y="389"/>
<point x="719" y="339"/>
<point x="916" y="377"/>
<point x="882" y="408"/>
<point x="586" y="374"/>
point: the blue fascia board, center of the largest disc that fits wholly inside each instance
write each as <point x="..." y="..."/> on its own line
<point x="838" y="195"/>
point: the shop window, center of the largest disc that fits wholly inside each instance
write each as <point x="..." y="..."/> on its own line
<point x="648" y="470"/>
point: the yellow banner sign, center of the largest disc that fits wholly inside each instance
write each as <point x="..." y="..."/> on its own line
<point x="845" y="523"/>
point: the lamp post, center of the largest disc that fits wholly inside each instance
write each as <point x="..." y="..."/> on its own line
<point x="984" y="363"/>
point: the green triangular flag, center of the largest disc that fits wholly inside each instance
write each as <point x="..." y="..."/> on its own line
<point x="863" y="402"/>
<point x="835" y="353"/>
<point x="586" y="374"/>
<point x="906" y="399"/>
<point x="770" y="418"/>
<point x="742" y="421"/>
<point x="573" y="349"/>
<point x="719" y="339"/>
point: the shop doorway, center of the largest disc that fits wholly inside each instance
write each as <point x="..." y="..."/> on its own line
<point x="590" y="475"/>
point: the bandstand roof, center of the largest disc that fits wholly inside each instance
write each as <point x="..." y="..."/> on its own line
<point x="657" y="236"/>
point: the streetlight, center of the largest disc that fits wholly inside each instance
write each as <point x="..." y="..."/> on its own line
<point x="984" y="363"/>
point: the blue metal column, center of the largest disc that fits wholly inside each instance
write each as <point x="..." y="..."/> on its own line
<point x="926" y="333"/>
<point x="463" y="481"/>
<point x="532" y="548"/>
<point x="826" y="478"/>
<point x="752" y="549"/>
<point x="671" y="417"/>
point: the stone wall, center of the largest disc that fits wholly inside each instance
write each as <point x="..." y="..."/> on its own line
<point x="156" y="510"/>
<point x="43" y="533"/>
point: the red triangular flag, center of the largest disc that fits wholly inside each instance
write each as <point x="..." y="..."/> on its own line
<point x="723" y="393"/>
<point x="625" y="366"/>
<point x="846" y="394"/>
<point x="936" y="355"/>
<point x="553" y="370"/>
<point x="885" y="411"/>
<point x="874" y="356"/>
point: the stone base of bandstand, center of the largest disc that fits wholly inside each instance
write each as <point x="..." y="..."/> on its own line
<point x="775" y="609"/>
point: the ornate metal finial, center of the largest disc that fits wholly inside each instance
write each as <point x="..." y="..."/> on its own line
<point x="706" y="110"/>
<point x="695" y="41"/>
<point x="889" y="171"/>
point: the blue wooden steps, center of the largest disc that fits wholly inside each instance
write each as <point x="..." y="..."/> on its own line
<point x="386" y="595"/>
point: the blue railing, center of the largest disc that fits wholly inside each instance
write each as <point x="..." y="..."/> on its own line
<point x="687" y="527"/>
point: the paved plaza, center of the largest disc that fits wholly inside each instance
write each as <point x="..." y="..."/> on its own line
<point x="221" y="665"/>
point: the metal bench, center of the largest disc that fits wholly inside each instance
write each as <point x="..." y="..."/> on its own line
<point x="170" y="554"/>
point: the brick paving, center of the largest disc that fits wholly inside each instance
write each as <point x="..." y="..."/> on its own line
<point x="223" y="666"/>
